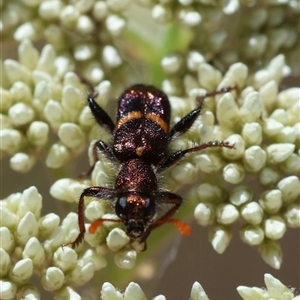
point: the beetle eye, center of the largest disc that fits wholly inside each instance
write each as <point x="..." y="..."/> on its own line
<point x="121" y="207"/>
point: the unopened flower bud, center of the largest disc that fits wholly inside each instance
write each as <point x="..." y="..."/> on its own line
<point x="22" y="271"/>
<point x="252" y="235"/>
<point x="125" y="259"/>
<point x="220" y="237"/>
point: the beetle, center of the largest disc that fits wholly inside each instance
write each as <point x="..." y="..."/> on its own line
<point x="141" y="136"/>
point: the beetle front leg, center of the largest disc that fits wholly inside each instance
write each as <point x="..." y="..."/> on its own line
<point x="98" y="192"/>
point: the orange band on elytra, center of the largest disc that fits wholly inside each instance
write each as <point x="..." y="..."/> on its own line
<point x="130" y="116"/>
<point x="158" y="120"/>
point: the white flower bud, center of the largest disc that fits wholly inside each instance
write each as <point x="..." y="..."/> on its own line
<point x="268" y="93"/>
<point x="54" y="114"/>
<point x="48" y="224"/>
<point x="239" y="145"/>
<point x="57" y="156"/>
<point x="27" y="228"/>
<point x="134" y="291"/>
<point x="275" y="228"/>
<point x="53" y="279"/>
<point x="6" y="238"/>
<point x="287" y="98"/>
<point x="252" y="213"/>
<point x="125" y="259"/>
<point x="66" y="293"/>
<point x="171" y="63"/>
<point x="271" y="253"/>
<point x="96" y="257"/>
<point x="286" y="135"/>
<point x="69" y="15"/>
<point x="211" y="193"/>
<point x="37" y="133"/>
<point x="22" y="162"/>
<point x="226" y="213"/>
<point x="50" y="10"/>
<point x="208" y="76"/>
<point x="65" y="258"/>
<point x="208" y="163"/>
<point x="256" y="45"/>
<point x="290" y="188"/>
<point x="29" y="30"/>
<point x="6" y="100"/>
<point x="233" y="173"/>
<point x="268" y="176"/>
<point x="28" y="54"/>
<point x="251" y="109"/>
<point x="184" y="173"/>
<point x="189" y="18"/>
<point x="29" y="292"/>
<point x="72" y="136"/>
<point x="31" y="201"/>
<point x="271" y="201"/>
<point x="194" y="59"/>
<point x="252" y="134"/>
<point x="205" y="213"/>
<point x="250" y="293"/>
<point x="230" y="6"/>
<point x="254" y="158"/>
<point x="235" y="75"/>
<point x="115" y="24"/>
<point x="84" y="51"/>
<point x="85" y="25"/>
<point x="277" y="289"/>
<point x="280" y="115"/>
<point x="197" y="292"/>
<point x="161" y="14"/>
<point x="42" y="93"/>
<point x="22" y="271"/>
<point x="82" y="273"/>
<point x="227" y="111"/>
<point x="220" y="237"/>
<point x="63" y="65"/>
<point x="292" y="216"/>
<point x="46" y="62"/>
<point x="292" y="164"/>
<point x="21" y="92"/>
<point x="159" y="297"/>
<point x="111" y="57"/>
<point x="117" y="239"/>
<point x="11" y="140"/>
<point x="109" y="292"/>
<point x="252" y="235"/>
<point x="69" y="227"/>
<point x="34" y="250"/>
<point x="271" y="127"/>
<point x="72" y="101"/>
<point x="172" y="86"/>
<point x="8" y="219"/>
<point x="100" y="10"/>
<point x="8" y="290"/>
<point x="94" y="210"/>
<point x="279" y="152"/>
<point x="93" y="72"/>
<point x="240" y="195"/>
<point x="5" y="264"/>
<point x="21" y="114"/>
<point x="67" y="189"/>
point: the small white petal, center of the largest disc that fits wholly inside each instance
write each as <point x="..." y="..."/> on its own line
<point x="37" y="133"/>
<point x="21" y="162"/>
<point x="34" y="250"/>
<point x="279" y="152"/>
<point x="27" y="228"/>
<point x="205" y="213"/>
<point x="53" y="279"/>
<point x="275" y="228"/>
<point x="125" y="259"/>
<point x="109" y="292"/>
<point x="252" y="235"/>
<point x="220" y="237"/>
<point x="72" y="136"/>
<point x="233" y="173"/>
<point x="117" y="239"/>
<point x="252" y="213"/>
<point x="31" y="201"/>
<point x="227" y="111"/>
<point x="197" y="292"/>
<point x="271" y="253"/>
<point x="252" y="134"/>
<point x="21" y="114"/>
<point x="271" y="201"/>
<point x="65" y="258"/>
<point x="57" y="156"/>
<point x="226" y="214"/>
<point x="48" y="224"/>
<point x="251" y="109"/>
<point x="22" y="271"/>
<point x="134" y="291"/>
<point x="115" y="24"/>
<point x="290" y="188"/>
<point x="46" y="60"/>
<point x="254" y="159"/>
<point x="240" y="195"/>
